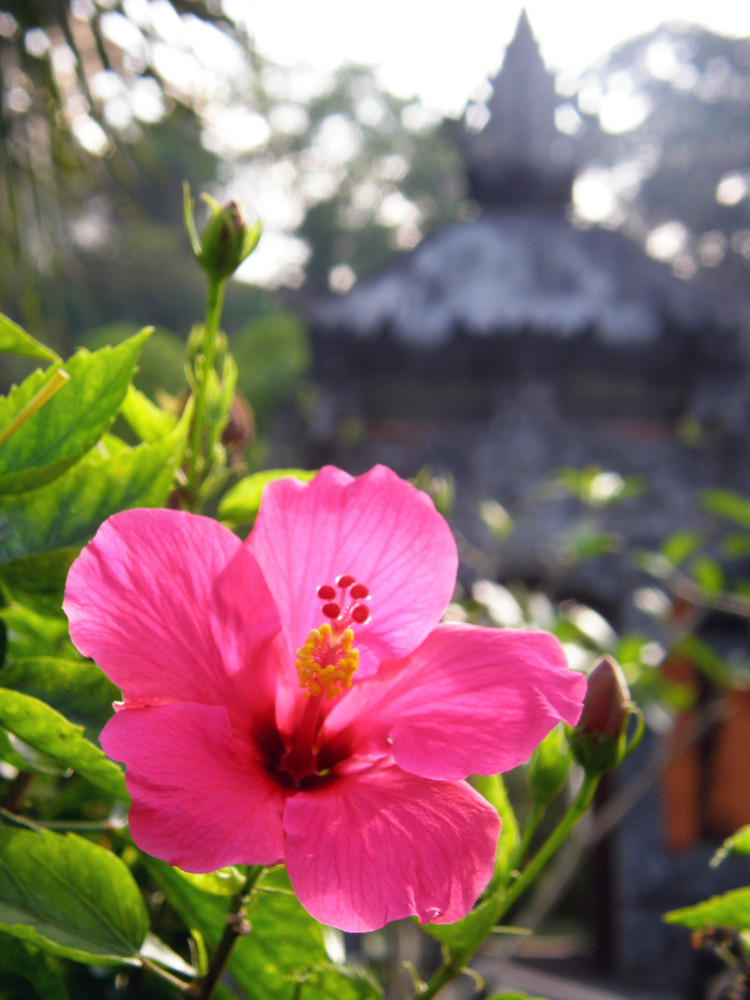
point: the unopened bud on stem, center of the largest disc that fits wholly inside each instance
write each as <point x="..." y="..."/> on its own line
<point x="599" y="741"/>
<point x="226" y="240"/>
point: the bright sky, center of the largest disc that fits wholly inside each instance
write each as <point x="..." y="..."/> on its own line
<point x="442" y="52"/>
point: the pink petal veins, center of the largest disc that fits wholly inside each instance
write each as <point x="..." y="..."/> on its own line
<point x="470" y="700"/>
<point x="379" y="845"/>
<point x="378" y="529"/>
<point x="201" y="800"/>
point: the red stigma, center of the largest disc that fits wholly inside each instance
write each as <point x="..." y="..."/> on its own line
<point x="345" y="609"/>
<point x="360" y="614"/>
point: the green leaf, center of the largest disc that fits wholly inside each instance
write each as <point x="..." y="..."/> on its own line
<point x="25" y="962"/>
<point x="348" y="982"/>
<point x="68" y="512"/>
<point x="148" y="420"/>
<point x="285" y="941"/>
<point x="156" y="950"/>
<point x="708" y="574"/>
<point x="241" y="503"/>
<point x="70" y="897"/>
<point x="69" y="424"/>
<point x="465" y="935"/>
<point x="14" y="340"/>
<point x="738" y="843"/>
<point x="730" y="909"/>
<point x="493" y="788"/>
<point x="77" y="689"/>
<point x="680" y="545"/>
<point x="37" y="580"/>
<point x="730" y="506"/>
<point x="44" y="729"/>
<point x="513" y="996"/>
<point x="224" y="882"/>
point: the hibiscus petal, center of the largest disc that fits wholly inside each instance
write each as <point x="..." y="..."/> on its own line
<point x="379" y="529"/>
<point x="200" y="798"/>
<point x="470" y="700"/>
<point x="172" y="606"/>
<point x="380" y="844"/>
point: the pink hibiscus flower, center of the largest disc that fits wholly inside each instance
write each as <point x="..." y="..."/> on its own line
<point x="293" y="698"/>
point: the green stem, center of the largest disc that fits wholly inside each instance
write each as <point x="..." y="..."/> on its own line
<point x="214" y="305"/>
<point x="236" y="927"/>
<point x="453" y="964"/>
<point x="531" y="827"/>
<point x="552" y="844"/>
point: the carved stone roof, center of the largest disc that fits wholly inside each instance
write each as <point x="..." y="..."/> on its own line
<point x="519" y="273"/>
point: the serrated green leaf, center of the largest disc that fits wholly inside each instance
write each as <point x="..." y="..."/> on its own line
<point x="44" y="729"/>
<point x="67" y="512"/>
<point x="77" y="689"/>
<point x="34" y="967"/>
<point x="148" y="420"/>
<point x="14" y="340"/>
<point x="241" y="503"/>
<point x="285" y="940"/>
<point x="70" y="423"/>
<point x="730" y="909"/>
<point x="70" y="897"/>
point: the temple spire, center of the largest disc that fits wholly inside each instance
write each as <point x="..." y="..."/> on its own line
<point x="518" y="156"/>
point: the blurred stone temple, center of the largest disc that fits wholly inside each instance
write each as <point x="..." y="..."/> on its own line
<point x="504" y="348"/>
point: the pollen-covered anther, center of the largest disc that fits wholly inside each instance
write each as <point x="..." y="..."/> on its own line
<point x="326" y="662"/>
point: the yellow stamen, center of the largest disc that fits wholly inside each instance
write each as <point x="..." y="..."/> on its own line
<point x="326" y="662"/>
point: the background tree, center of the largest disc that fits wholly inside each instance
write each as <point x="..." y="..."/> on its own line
<point x="674" y="106"/>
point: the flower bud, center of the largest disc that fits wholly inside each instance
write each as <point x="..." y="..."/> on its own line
<point x="599" y="740"/>
<point x="226" y="239"/>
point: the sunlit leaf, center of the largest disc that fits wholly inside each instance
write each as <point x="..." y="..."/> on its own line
<point x="71" y="422"/>
<point x="156" y="950"/>
<point x="14" y="340"/>
<point x="492" y="787"/>
<point x="77" y="689"/>
<point x="285" y="941"/>
<point x="348" y="982"/>
<point x="68" y="511"/>
<point x="680" y="545"/>
<point x="70" y="897"/>
<point x="708" y="574"/>
<point x="728" y="505"/>
<point x="465" y="935"/>
<point x="44" y="729"/>
<point x="242" y="502"/>
<point x="731" y="908"/>
<point x="738" y="843"/>
<point x="224" y="882"/>
<point x="148" y="420"/>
